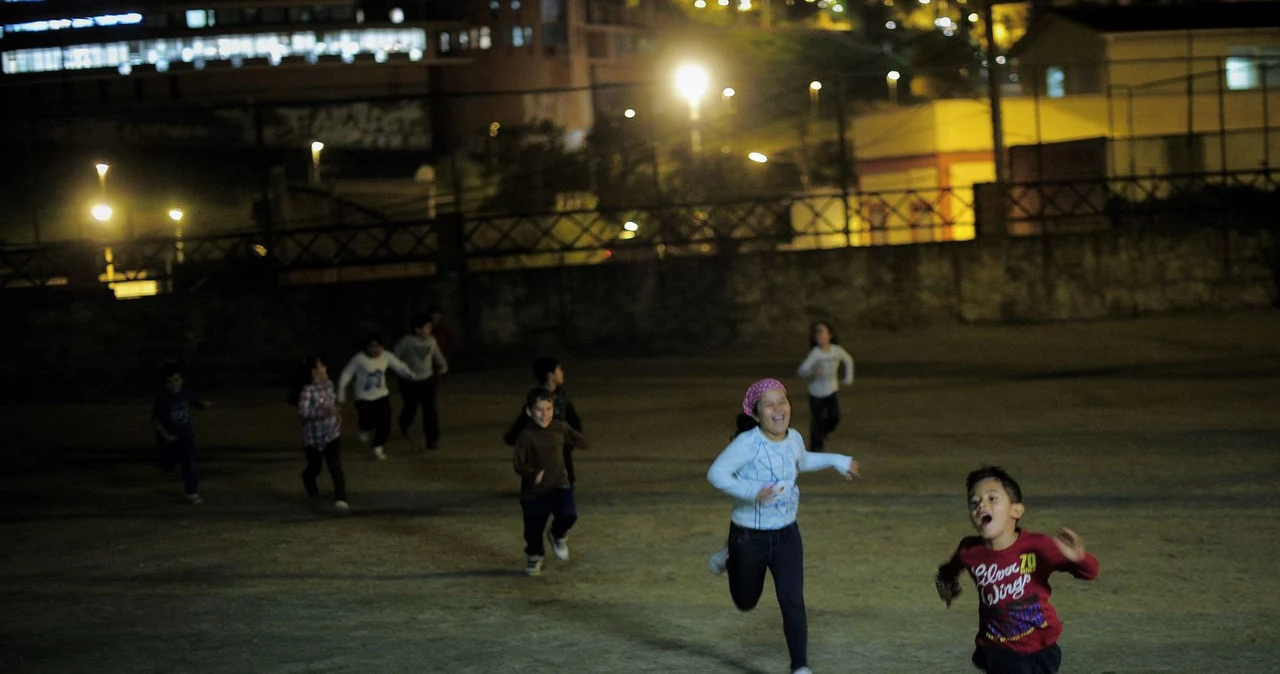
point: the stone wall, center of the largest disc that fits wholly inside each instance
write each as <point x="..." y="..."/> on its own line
<point x="237" y="337"/>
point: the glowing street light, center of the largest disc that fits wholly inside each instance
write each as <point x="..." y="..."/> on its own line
<point x="631" y="226"/>
<point x="692" y="82"/>
<point x="316" y="148"/>
<point x="758" y="157"/>
<point x="179" y="248"/>
<point x="102" y="168"/>
<point x="175" y="214"/>
<point x="101" y="212"/>
<point x="892" y="79"/>
<point x="629" y="113"/>
<point x="728" y="92"/>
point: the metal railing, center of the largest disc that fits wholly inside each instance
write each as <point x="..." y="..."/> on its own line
<point x="816" y="220"/>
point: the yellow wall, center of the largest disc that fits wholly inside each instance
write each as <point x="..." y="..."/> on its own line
<point x="1207" y="50"/>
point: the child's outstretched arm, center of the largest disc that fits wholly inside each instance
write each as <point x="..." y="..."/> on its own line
<point x="401" y="369"/>
<point x="806" y="368"/>
<point x="812" y="461"/>
<point x="848" y="366"/>
<point x="1077" y="561"/>
<point x="947" y="579"/>
<point x="348" y="373"/>
<point x="576" y="439"/>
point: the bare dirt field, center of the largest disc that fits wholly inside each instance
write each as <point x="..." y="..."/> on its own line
<point x="1157" y="440"/>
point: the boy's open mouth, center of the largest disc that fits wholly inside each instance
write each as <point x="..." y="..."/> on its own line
<point x="986" y="519"/>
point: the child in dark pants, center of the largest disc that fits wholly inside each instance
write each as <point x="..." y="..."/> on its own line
<point x="368" y="369"/>
<point x="548" y="374"/>
<point x="544" y="484"/>
<point x="1018" y="628"/>
<point x="321" y="430"/>
<point x="175" y="434"/>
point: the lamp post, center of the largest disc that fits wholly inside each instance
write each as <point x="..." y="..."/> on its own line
<point x="102" y="213"/>
<point x="691" y="82"/>
<point x="316" y="147"/>
<point x="892" y="80"/>
<point x="815" y="89"/>
<point x="179" y="247"/>
<point x="102" y="168"/>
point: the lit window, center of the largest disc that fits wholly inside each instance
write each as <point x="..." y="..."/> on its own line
<point x="397" y="15"/>
<point x="197" y="18"/>
<point x="1055" y="82"/>
<point x="1242" y="73"/>
<point x="517" y="37"/>
<point x="444" y="42"/>
<point x="515" y="5"/>
<point x="486" y="41"/>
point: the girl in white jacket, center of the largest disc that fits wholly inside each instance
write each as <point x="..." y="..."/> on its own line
<point x="821" y="367"/>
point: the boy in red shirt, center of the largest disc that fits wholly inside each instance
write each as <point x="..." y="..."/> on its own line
<point x="1018" y="629"/>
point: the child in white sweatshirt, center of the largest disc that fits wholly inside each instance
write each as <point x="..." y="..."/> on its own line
<point x="373" y="399"/>
<point x="821" y="367"/>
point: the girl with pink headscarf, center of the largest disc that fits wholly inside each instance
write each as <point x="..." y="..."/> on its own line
<point x="759" y="469"/>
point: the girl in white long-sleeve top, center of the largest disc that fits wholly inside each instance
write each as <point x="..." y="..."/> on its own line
<point x="759" y="469"/>
<point x="373" y="399"/>
<point x="822" y="368"/>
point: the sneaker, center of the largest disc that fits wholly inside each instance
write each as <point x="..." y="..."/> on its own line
<point x="378" y="452"/>
<point x="533" y="566"/>
<point x="342" y="506"/>
<point x="559" y="547"/>
<point x="803" y="670"/>
<point x="719" y="560"/>
<point x="194" y="499"/>
<point x="363" y="435"/>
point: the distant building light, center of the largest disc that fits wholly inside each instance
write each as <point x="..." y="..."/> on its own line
<point x="629" y="113"/>
<point x="197" y="18"/>
<point x="744" y="5"/>
<point x="837" y="8"/>
<point x="415" y="54"/>
<point x="973" y="17"/>
<point x="758" y="157"/>
<point x="626" y="235"/>
<point x="891" y="24"/>
<point x="359" y="16"/>
<point x="728" y="92"/>
<point x="1001" y="60"/>
<point x="700" y="4"/>
<point x="493" y="129"/>
<point x="125" y="68"/>
<point x="942" y="22"/>
<point x="397" y="15"/>
<point x="722" y="3"/>
<point x="631" y="226"/>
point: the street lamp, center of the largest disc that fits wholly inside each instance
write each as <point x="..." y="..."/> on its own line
<point x="316" y="147"/>
<point x="691" y="82"/>
<point x="101" y="213"/>
<point x="758" y="157"/>
<point x="102" y="168"/>
<point x="892" y="79"/>
<point x="629" y="113"/>
<point x="814" y="88"/>
<point x="179" y="253"/>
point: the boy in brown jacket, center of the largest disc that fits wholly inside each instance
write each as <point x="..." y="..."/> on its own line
<point x="544" y="483"/>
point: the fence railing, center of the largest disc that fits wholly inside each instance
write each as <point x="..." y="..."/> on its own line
<point x="816" y="220"/>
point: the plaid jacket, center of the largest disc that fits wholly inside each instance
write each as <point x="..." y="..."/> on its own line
<point x="320" y="425"/>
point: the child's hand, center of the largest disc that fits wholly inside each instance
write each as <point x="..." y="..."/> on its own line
<point x="1070" y="544"/>
<point x="947" y="591"/>
<point x="766" y="493"/>
<point x="538" y="478"/>
<point x="853" y="471"/>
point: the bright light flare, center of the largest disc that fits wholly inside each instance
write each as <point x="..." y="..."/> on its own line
<point x="758" y="157"/>
<point x="692" y="81"/>
<point x="175" y="214"/>
<point x="101" y="212"/>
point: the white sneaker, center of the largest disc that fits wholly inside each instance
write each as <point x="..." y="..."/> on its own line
<point x="194" y="499"/>
<point x="342" y="506"/>
<point x="533" y="566"/>
<point x="719" y="561"/>
<point x="559" y="547"/>
<point x="363" y="435"/>
<point x="803" y="670"/>
<point x="378" y="452"/>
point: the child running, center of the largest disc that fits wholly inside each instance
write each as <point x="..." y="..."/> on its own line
<point x="759" y="469"/>
<point x="821" y="368"/>
<point x="1018" y="629"/>
<point x="321" y="430"/>
<point x="175" y="434"/>
<point x="544" y="482"/>
<point x="548" y="374"/>
<point x="422" y="354"/>
<point x="373" y="399"/>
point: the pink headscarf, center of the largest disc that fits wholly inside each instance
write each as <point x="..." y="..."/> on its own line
<point x="755" y="391"/>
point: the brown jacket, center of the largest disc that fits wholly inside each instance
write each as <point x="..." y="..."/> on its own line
<point x="542" y="449"/>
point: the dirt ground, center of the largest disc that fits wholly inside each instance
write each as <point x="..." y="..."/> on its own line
<point x="1157" y="440"/>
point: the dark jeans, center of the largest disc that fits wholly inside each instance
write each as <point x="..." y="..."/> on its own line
<point x="781" y="552"/>
<point x="374" y="416"/>
<point x="824" y="416"/>
<point x="180" y="453"/>
<point x="997" y="660"/>
<point x="421" y="393"/>
<point x="568" y="465"/>
<point x="332" y="456"/>
<point x="559" y="503"/>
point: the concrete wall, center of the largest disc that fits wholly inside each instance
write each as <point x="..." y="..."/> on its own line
<point x="239" y="337"/>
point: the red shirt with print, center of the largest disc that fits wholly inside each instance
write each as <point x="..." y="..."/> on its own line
<point x="1013" y="588"/>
